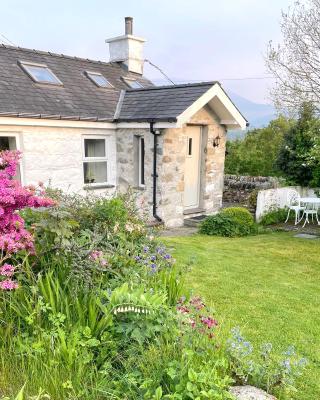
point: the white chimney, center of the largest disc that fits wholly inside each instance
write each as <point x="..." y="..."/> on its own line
<point x="127" y="48"/>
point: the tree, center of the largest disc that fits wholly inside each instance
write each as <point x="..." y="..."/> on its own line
<point x="296" y="63"/>
<point x="295" y="156"/>
<point x="257" y="153"/>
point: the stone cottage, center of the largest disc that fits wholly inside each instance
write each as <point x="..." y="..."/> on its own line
<point x="102" y="127"/>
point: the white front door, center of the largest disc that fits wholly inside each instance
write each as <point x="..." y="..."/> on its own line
<point x="192" y="168"/>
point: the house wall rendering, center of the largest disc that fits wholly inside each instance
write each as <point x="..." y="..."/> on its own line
<point x="55" y="156"/>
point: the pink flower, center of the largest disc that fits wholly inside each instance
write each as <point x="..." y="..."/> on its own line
<point x="95" y="255"/>
<point x="7" y="270"/>
<point x="8" y="284"/>
<point x="209" y="322"/>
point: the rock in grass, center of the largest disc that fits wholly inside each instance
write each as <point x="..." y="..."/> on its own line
<point x="250" y="393"/>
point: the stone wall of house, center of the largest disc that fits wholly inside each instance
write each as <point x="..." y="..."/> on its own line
<point x="128" y="167"/>
<point x="54" y="155"/>
<point x="171" y="172"/>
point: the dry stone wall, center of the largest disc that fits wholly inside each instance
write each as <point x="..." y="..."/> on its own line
<point x="238" y="189"/>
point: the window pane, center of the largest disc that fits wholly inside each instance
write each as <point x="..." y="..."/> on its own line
<point x="7" y="143"/>
<point x="190" y="147"/>
<point x="133" y="83"/>
<point x="94" y="148"/>
<point x="41" y="74"/>
<point x="142" y="161"/>
<point x="99" y="80"/>
<point x="95" y="172"/>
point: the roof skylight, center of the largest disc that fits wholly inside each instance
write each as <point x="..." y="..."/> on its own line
<point x="132" y="83"/>
<point x="98" y="79"/>
<point x="40" y="73"/>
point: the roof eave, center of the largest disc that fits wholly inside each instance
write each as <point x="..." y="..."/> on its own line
<point x="170" y="119"/>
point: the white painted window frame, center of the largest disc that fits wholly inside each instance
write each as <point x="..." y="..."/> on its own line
<point x="16" y="135"/>
<point x="140" y="138"/>
<point x="96" y="159"/>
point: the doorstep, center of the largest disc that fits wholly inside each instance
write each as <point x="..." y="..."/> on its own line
<point x="197" y="210"/>
<point x="194" y="221"/>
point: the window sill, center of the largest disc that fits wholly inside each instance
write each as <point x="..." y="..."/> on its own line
<point x="102" y="186"/>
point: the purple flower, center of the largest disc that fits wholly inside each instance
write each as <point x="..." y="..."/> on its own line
<point x="167" y="256"/>
<point x="153" y="258"/>
<point x="137" y="258"/>
<point x="146" y="249"/>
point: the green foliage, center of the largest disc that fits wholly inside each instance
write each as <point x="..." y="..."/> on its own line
<point x="273" y="217"/>
<point x="218" y="225"/>
<point x="257" y="153"/>
<point x="296" y="157"/>
<point x="268" y="370"/>
<point x="230" y="222"/>
<point x="240" y="214"/>
<point x="98" y="314"/>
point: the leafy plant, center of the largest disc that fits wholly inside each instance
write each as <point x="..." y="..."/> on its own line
<point x="241" y="215"/>
<point x="276" y="216"/>
<point x="231" y="222"/>
<point x="267" y="371"/>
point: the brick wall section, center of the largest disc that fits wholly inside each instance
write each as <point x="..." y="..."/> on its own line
<point x="171" y="171"/>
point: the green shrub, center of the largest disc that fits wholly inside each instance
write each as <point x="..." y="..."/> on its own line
<point x="240" y="215"/>
<point x="276" y="216"/>
<point x="230" y="222"/>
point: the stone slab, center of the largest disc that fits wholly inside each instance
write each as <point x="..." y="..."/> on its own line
<point x="306" y="236"/>
<point x="250" y="393"/>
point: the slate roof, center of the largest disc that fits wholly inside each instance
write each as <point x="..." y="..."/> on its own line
<point x="78" y="98"/>
<point x="160" y="103"/>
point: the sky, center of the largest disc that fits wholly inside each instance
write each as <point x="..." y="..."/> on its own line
<point x="190" y="40"/>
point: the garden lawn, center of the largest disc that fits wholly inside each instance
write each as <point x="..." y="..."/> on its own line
<point x="269" y="285"/>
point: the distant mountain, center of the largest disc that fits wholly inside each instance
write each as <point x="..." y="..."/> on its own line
<point x="258" y="115"/>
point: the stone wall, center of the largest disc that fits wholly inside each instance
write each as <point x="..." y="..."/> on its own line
<point x="127" y="165"/>
<point x="54" y="155"/>
<point x="171" y="172"/>
<point x="237" y="188"/>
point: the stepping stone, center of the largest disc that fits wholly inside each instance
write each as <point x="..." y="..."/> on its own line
<point x="250" y="393"/>
<point x="306" y="236"/>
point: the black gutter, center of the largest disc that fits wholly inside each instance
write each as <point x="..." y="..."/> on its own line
<point x="155" y="175"/>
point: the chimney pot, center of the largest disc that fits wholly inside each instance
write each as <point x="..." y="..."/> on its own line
<point x="128" y="25"/>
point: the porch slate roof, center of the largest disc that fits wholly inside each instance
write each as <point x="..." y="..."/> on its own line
<point x="160" y="103"/>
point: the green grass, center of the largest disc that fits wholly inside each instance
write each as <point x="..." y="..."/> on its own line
<point x="269" y="285"/>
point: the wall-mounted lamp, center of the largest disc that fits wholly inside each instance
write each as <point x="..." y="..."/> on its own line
<point x="216" y="141"/>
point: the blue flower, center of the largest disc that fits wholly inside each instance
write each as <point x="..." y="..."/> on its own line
<point x="146" y="249"/>
<point x="153" y="258"/>
<point x="167" y="256"/>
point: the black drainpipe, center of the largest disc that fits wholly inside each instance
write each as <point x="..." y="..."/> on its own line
<point x="155" y="175"/>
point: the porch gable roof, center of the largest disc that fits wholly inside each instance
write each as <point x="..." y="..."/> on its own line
<point x="178" y="103"/>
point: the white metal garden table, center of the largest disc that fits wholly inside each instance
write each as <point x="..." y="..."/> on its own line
<point x="312" y="205"/>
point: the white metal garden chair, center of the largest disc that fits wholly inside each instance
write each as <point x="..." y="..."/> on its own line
<point x="294" y="204"/>
<point x="310" y="209"/>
